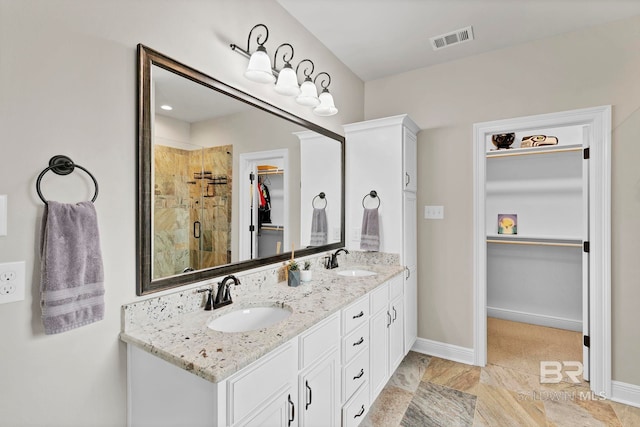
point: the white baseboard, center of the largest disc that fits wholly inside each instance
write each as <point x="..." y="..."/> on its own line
<point x="535" y="319"/>
<point x="629" y="394"/>
<point x="443" y="350"/>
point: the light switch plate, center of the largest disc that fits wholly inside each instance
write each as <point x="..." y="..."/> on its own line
<point x="3" y="214"/>
<point x="434" y="212"/>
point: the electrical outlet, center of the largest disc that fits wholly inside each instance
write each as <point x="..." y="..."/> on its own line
<point x="434" y="212"/>
<point x="12" y="282"/>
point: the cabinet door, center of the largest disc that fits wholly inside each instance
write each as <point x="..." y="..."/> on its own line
<point x="280" y="412"/>
<point x="319" y="390"/>
<point x="396" y="333"/>
<point x="409" y="161"/>
<point x="379" y="352"/>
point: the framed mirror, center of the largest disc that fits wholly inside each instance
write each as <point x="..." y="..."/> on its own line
<point x="226" y="182"/>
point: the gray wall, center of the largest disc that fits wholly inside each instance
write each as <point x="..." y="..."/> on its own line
<point x="596" y="66"/>
<point x="68" y="86"/>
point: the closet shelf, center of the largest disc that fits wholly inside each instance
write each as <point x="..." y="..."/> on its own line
<point x="549" y="149"/>
<point x="563" y="241"/>
<point x="272" y="227"/>
<point x="271" y="172"/>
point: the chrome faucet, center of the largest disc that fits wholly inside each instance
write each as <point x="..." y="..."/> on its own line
<point x="332" y="260"/>
<point x="223" y="296"/>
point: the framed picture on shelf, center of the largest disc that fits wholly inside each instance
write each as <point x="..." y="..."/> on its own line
<point x="507" y="224"/>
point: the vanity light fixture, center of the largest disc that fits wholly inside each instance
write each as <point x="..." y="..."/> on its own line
<point x="286" y="79"/>
<point x="287" y="83"/>
<point x="308" y="91"/>
<point x="259" y="68"/>
<point x="327" y="106"/>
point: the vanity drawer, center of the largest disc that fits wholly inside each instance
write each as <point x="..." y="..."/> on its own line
<point x="380" y="298"/>
<point x="319" y="340"/>
<point x="356" y="409"/>
<point x="355" y="342"/>
<point x="396" y="286"/>
<point x="355" y="315"/>
<point x="356" y="373"/>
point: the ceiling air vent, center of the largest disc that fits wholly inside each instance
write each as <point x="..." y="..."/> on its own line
<point x="456" y="37"/>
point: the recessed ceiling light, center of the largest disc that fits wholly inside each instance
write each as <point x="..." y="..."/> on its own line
<point x="166" y="107"/>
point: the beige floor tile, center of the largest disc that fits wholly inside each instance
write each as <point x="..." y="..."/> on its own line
<point x="497" y="406"/>
<point x="629" y="416"/>
<point x="389" y="408"/>
<point x="410" y="371"/>
<point x="457" y="376"/>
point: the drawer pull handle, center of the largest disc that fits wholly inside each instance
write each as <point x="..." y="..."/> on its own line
<point x="408" y="180"/>
<point x="395" y="314"/>
<point x="293" y="410"/>
<point x="389" y="319"/>
<point x="359" y="414"/>
<point x="306" y="383"/>
<point x="359" y="375"/>
<point x="359" y="314"/>
<point x="360" y="341"/>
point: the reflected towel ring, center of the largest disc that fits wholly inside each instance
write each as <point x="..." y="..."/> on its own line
<point x="63" y="165"/>
<point x="323" y="197"/>
<point x="374" y="195"/>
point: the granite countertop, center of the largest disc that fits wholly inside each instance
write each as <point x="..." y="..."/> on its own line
<point x="185" y="340"/>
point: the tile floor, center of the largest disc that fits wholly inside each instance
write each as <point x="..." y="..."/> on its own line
<point x="429" y="391"/>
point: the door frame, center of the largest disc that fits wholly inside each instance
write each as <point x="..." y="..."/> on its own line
<point x="247" y="164"/>
<point x="598" y="123"/>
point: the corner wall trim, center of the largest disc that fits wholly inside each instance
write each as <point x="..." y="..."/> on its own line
<point x="628" y="394"/>
<point x="444" y="350"/>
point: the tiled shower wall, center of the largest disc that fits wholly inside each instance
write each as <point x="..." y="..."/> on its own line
<point x="183" y="195"/>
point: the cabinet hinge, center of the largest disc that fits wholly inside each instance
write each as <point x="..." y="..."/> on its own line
<point x="585" y="154"/>
<point x="587" y="341"/>
<point x="252" y="228"/>
<point x="585" y="246"/>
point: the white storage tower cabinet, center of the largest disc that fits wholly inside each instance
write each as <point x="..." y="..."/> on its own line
<point x="381" y="156"/>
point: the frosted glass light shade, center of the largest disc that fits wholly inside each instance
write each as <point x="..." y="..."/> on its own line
<point x="259" y="68"/>
<point x="287" y="83"/>
<point x="326" y="107"/>
<point x="308" y="94"/>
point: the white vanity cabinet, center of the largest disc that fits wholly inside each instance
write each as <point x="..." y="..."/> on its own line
<point x="381" y="155"/>
<point x="386" y="332"/>
<point x="319" y="378"/>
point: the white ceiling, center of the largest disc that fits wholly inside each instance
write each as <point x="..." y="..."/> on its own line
<point x="378" y="38"/>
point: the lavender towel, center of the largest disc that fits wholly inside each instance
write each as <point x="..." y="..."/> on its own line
<point x="370" y="234"/>
<point x="72" y="277"/>
<point x="319" y="230"/>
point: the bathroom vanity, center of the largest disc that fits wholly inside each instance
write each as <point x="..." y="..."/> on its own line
<point x="323" y="365"/>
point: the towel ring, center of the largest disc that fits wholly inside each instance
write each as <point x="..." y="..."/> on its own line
<point x="374" y="195"/>
<point x="322" y="196"/>
<point x="63" y="165"/>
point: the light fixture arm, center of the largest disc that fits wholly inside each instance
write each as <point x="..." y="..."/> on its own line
<point x="304" y="71"/>
<point x="325" y="87"/>
<point x="247" y="53"/>
<point x="284" y="56"/>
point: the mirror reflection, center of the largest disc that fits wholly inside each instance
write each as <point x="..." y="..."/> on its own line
<point x="232" y="185"/>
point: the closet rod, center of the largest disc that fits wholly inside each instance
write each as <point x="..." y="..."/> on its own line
<point x="524" y="153"/>
<point x="272" y="227"/>
<point x="519" y="242"/>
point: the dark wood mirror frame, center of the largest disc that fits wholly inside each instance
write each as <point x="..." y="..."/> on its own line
<point x="145" y="282"/>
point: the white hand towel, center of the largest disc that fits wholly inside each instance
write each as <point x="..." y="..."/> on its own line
<point x="72" y="276"/>
<point x="370" y="234"/>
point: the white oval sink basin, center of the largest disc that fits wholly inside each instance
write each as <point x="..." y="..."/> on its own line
<point x="356" y="273"/>
<point x="249" y="319"/>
